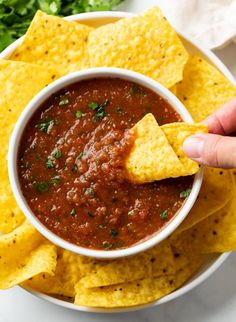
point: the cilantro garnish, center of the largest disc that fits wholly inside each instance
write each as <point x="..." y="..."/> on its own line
<point x="164" y="215"/>
<point x="73" y="212"/>
<point x="79" y="157"/>
<point x="136" y="90"/>
<point x="45" y="125"/>
<point x="50" y="164"/>
<point x="57" y="154"/>
<point x="114" y="232"/>
<point x="64" y="101"/>
<point x="185" y="193"/>
<point x="107" y="245"/>
<point x="42" y="186"/>
<point x="99" y="109"/>
<point x="78" y="114"/>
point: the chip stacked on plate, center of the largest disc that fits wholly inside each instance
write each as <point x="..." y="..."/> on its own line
<point x="147" y="44"/>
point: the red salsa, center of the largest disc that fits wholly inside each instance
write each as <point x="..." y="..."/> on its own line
<point x="71" y="165"/>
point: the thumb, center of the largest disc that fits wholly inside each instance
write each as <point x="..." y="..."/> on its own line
<point x="212" y="150"/>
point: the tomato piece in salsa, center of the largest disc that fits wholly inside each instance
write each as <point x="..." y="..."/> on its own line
<point x="71" y="165"/>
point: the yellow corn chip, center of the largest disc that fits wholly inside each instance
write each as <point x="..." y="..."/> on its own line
<point x="69" y="270"/>
<point x="140" y="291"/>
<point x="186" y="261"/>
<point x="146" y="44"/>
<point x="152" y="157"/>
<point x="155" y="262"/>
<point x="157" y="151"/>
<point x="23" y="254"/>
<point x="217" y="233"/>
<point x="19" y="82"/>
<point x="183" y="274"/>
<point x="54" y="42"/>
<point x="173" y="89"/>
<point x="127" y="294"/>
<point x="176" y="133"/>
<point x="203" y="89"/>
<point x="217" y="189"/>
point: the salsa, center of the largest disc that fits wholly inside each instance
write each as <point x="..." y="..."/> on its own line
<point x="71" y="165"/>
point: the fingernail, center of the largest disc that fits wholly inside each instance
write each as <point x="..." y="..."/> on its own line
<point x="193" y="146"/>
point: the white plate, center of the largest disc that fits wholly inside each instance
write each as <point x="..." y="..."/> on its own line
<point x="211" y="263"/>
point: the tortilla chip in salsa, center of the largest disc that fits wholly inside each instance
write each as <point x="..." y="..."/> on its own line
<point x="157" y="151"/>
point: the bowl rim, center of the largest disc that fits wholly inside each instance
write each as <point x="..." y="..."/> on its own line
<point x="37" y="101"/>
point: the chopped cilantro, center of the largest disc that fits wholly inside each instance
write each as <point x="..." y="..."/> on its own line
<point x="100" y="114"/>
<point x="57" y="154"/>
<point x="63" y="101"/>
<point x="131" y="213"/>
<point x="185" y="193"/>
<point x="90" y="191"/>
<point x="55" y="180"/>
<point x="119" y="110"/>
<point x="101" y="226"/>
<point x="38" y="157"/>
<point x="42" y="186"/>
<point x="93" y="106"/>
<point x="79" y="157"/>
<point x="99" y="109"/>
<point x="78" y="114"/>
<point x="73" y="212"/>
<point x="164" y="215"/>
<point x="114" y="232"/>
<point x="91" y="214"/>
<point x="136" y="90"/>
<point x="114" y="199"/>
<point x="45" y="125"/>
<point x="50" y="164"/>
<point x="106" y="245"/>
<point x="74" y="168"/>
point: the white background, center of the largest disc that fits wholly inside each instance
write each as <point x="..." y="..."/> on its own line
<point x="213" y="301"/>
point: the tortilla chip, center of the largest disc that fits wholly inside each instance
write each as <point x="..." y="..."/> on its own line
<point x="155" y="262"/>
<point x="176" y="133"/>
<point x="19" y="82"/>
<point x="23" y="254"/>
<point x="217" y="189"/>
<point x="157" y="151"/>
<point x="186" y="262"/>
<point x="146" y="44"/>
<point x="140" y="291"/>
<point x="151" y="158"/>
<point x="124" y="295"/>
<point x="69" y="270"/>
<point x="185" y="273"/>
<point x="54" y="42"/>
<point x="173" y="89"/>
<point x="203" y="89"/>
<point x="217" y="233"/>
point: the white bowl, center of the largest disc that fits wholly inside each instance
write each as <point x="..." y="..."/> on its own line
<point x="212" y="262"/>
<point x="31" y="108"/>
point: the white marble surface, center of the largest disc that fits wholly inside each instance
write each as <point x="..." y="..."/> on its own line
<point x="213" y="301"/>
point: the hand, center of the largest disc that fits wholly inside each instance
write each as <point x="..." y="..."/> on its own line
<point x="215" y="149"/>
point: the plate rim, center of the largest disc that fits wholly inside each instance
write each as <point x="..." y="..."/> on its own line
<point x="212" y="58"/>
